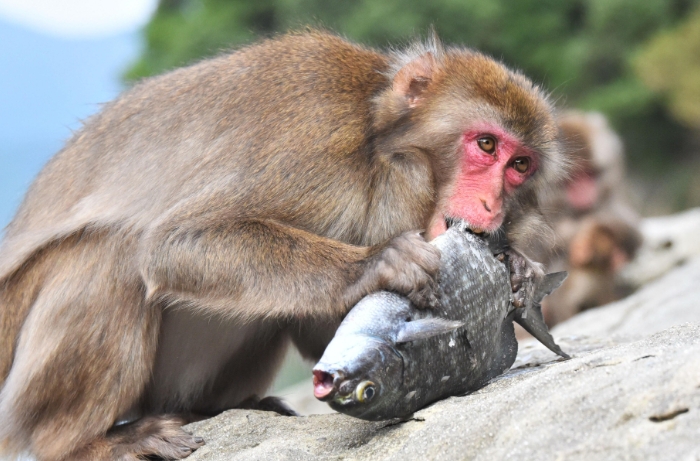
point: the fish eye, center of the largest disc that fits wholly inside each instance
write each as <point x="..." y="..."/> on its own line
<point x="365" y="391"/>
<point x="521" y="164"/>
<point x="487" y="144"/>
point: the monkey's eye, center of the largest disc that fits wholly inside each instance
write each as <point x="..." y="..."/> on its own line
<point x="521" y="164"/>
<point x="487" y="144"/>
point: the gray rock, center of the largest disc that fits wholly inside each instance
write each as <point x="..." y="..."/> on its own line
<point x="630" y="392"/>
<point x="670" y="300"/>
<point x="668" y="241"/>
<point x="617" y="398"/>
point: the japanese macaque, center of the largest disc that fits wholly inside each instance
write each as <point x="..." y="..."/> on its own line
<point x="595" y="227"/>
<point x="163" y="260"/>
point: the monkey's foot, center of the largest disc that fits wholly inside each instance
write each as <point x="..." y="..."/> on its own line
<point x="270" y="403"/>
<point x="159" y="437"/>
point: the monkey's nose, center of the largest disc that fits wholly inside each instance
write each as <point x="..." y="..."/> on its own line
<point x="486" y="206"/>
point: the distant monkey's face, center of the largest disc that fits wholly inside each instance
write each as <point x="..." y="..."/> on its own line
<point x="583" y="190"/>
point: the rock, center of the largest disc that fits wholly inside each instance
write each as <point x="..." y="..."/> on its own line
<point x="668" y="242"/>
<point x="670" y="300"/>
<point x="617" y="398"/>
<point x="631" y="391"/>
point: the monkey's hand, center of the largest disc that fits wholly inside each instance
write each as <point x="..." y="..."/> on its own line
<point x="407" y="265"/>
<point x="524" y="275"/>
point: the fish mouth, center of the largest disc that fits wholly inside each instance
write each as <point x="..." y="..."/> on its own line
<point x="333" y="385"/>
<point x="324" y="385"/>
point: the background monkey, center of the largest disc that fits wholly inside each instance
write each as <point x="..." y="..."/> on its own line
<point x="595" y="227"/>
<point x="162" y="261"/>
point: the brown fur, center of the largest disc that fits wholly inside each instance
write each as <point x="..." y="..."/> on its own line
<point x="162" y="260"/>
<point x="160" y="436"/>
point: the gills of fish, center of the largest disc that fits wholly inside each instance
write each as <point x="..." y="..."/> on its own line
<point x="389" y="359"/>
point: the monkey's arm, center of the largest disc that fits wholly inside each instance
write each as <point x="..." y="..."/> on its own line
<point x="260" y="268"/>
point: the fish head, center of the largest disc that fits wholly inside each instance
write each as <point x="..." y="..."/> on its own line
<point x="357" y="376"/>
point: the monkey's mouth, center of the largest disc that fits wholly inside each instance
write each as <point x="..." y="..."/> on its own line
<point x="464" y="226"/>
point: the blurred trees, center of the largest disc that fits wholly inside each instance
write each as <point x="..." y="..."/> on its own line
<point x="626" y="58"/>
<point x="670" y="64"/>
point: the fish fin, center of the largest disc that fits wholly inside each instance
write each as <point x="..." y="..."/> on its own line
<point x="532" y="320"/>
<point x="425" y="328"/>
<point x="549" y="283"/>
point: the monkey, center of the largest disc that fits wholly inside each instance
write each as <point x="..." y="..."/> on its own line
<point x="595" y="226"/>
<point x="162" y="262"/>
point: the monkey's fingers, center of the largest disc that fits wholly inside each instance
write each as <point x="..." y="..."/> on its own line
<point x="427" y="297"/>
<point x="519" y="298"/>
<point x="518" y="276"/>
<point x="421" y="286"/>
<point x="516" y="282"/>
<point x="408" y="265"/>
<point x="522" y="270"/>
<point x="153" y="436"/>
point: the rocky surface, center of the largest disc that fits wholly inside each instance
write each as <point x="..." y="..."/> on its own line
<point x="660" y="304"/>
<point x="616" y="399"/>
<point x="631" y="391"/>
<point x="669" y="241"/>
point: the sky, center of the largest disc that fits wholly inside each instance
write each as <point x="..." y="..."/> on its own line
<point x="59" y="60"/>
<point x="78" y="19"/>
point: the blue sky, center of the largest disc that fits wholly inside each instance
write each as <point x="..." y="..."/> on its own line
<point x="50" y="79"/>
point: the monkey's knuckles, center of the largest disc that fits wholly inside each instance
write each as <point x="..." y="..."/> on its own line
<point x="409" y="266"/>
<point x="161" y="437"/>
<point x="522" y="271"/>
<point x="427" y="297"/>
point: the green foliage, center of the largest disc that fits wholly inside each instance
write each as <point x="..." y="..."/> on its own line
<point x="581" y="49"/>
<point x="183" y="31"/>
<point x="670" y="64"/>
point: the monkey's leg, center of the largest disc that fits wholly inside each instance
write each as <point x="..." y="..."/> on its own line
<point x="209" y="364"/>
<point x="17" y="294"/>
<point x="274" y="271"/>
<point x="84" y="353"/>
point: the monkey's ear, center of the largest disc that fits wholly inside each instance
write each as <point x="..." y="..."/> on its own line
<point x="413" y="79"/>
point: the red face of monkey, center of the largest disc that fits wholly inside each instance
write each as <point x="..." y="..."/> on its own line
<point x="494" y="163"/>
<point x="490" y="130"/>
<point x="582" y="191"/>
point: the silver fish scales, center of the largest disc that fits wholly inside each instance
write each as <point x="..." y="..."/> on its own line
<point x="389" y="359"/>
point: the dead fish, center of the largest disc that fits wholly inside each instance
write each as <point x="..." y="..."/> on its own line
<point x="389" y="359"/>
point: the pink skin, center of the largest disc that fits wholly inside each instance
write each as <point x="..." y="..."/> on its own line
<point x="582" y="192"/>
<point x="323" y="384"/>
<point x="484" y="180"/>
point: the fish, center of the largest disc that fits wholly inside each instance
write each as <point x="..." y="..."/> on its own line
<point x="389" y="359"/>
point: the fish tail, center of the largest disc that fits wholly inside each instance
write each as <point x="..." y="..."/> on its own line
<point x="532" y="320"/>
<point x="549" y="283"/>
